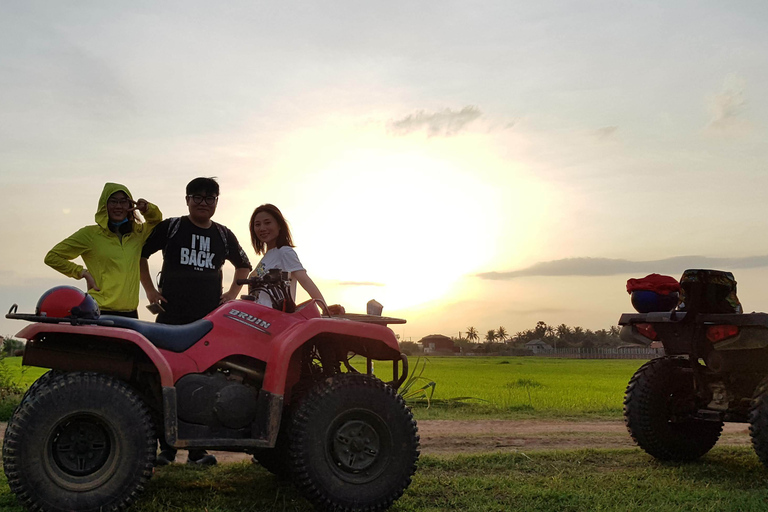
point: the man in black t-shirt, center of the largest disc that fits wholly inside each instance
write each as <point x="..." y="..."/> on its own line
<point x="194" y="250"/>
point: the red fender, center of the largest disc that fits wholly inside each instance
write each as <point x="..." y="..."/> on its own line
<point x="154" y="354"/>
<point x="383" y="345"/>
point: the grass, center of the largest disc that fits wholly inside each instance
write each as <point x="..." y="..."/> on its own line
<point x="728" y="479"/>
<point x="526" y="387"/>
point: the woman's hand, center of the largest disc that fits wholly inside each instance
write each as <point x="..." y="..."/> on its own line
<point x="89" y="280"/>
<point x="141" y="205"/>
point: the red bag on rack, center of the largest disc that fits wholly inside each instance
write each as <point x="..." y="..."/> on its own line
<point x="663" y="285"/>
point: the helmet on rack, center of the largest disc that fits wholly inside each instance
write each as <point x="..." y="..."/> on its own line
<point x="65" y="302"/>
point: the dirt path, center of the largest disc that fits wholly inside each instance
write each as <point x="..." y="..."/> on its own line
<point x="446" y="437"/>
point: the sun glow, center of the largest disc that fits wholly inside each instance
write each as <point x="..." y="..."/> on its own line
<point x="402" y="219"/>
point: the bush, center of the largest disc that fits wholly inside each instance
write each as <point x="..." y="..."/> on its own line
<point x="11" y="347"/>
<point x="10" y="391"/>
<point x="410" y="348"/>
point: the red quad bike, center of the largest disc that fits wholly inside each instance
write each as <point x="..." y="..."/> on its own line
<point x="277" y="384"/>
<point x="715" y="370"/>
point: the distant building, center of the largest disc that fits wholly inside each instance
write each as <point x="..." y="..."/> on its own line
<point x="438" y="344"/>
<point x="537" y="346"/>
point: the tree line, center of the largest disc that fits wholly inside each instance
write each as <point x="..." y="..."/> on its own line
<point x="561" y="336"/>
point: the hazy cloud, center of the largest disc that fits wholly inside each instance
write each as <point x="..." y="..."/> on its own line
<point x="610" y="267"/>
<point x="446" y="122"/>
<point x="606" y="132"/>
<point x="359" y="283"/>
<point x="727" y="106"/>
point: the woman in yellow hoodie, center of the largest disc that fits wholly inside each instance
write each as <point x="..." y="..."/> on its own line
<point x="111" y="250"/>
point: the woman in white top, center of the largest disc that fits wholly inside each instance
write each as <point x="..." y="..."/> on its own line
<point x="271" y="237"/>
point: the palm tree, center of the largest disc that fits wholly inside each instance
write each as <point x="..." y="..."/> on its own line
<point x="490" y="336"/>
<point x="501" y="334"/>
<point x="578" y="334"/>
<point x="472" y="334"/>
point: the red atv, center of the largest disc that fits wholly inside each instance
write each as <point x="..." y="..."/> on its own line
<point x="274" y="383"/>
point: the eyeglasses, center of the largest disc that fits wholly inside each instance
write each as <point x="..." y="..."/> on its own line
<point x="209" y="200"/>
<point x="119" y="202"/>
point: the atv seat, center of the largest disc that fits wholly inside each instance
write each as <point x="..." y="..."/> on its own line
<point x="176" y="338"/>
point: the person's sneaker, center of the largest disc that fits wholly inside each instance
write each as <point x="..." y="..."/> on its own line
<point x="165" y="457"/>
<point x="204" y="460"/>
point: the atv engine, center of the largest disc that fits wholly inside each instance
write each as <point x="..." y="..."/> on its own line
<point x="216" y="400"/>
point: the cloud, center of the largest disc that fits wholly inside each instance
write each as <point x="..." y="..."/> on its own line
<point x="359" y="283"/>
<point x="606" y="132"/>
<point x="727" y="106"/>
<point x="446" y="122"/>
<point x="611" y="267"/>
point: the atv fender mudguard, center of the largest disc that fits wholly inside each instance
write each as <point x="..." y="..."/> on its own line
<point x="368" y="340"/>
<point x="40" y="353"/>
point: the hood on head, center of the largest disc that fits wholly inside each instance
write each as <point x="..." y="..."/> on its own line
<point x="102" y="217"/>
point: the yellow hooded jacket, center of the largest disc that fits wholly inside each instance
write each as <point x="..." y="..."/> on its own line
<point x="113" y="262"/>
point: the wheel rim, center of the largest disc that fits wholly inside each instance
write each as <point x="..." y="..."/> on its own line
<point x="355" y="446"/>
<point x="81" y="452"/>
<point x="358" y="446"/>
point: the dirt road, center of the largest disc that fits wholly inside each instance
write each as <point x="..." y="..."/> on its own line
<point x="446" y="437"/>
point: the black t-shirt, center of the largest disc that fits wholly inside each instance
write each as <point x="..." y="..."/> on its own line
<point x="192" y="261"/>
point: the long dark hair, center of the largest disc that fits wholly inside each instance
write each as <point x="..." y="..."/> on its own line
<point x="283" y="238"/>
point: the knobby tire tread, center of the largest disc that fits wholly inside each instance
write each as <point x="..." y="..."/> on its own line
<point x="302" y="424"/>
<point x="647" y="418"/>
<point x="57" y="386"/>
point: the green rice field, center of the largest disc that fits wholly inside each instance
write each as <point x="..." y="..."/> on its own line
<point x="503" y="387"/>
<point x="523" y="386"/>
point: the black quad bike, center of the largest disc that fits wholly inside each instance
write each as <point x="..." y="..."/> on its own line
<point x="273" y="382"/>
<point x="715" y="370"/>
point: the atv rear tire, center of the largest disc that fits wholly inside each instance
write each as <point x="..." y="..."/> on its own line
<point x="658" y="410"/>
<point x="81" y="442"/>
<point x="758" y="422"/>
<point x="354" y="444"/>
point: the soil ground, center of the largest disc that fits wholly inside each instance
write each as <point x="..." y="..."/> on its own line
<point x="450" y="437"/>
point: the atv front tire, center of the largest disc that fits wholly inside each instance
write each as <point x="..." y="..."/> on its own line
<point x="353" y="445"/>
<point x="81" y="442"/>
<point x="658" y="410"/>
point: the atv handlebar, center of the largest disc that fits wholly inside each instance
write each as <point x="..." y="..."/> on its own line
<point x="273" y="276"/>
<point x="276" y="284"/>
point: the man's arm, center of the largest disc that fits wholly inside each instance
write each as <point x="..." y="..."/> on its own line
<point x="146" y="281"/>
<point x="234" y="289"/>
<point x="155" y="242"/>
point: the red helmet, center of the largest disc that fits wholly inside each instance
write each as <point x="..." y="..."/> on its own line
<point x="67" y="301"/>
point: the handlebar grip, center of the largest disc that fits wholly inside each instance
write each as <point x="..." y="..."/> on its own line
<point x="243" y="281"/>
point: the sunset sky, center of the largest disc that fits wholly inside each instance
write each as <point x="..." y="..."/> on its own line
<point x="478" y="164"/>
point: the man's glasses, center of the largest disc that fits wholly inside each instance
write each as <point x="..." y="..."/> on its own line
<point x="209" y="200"/>
<point x="119" y="202"/>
